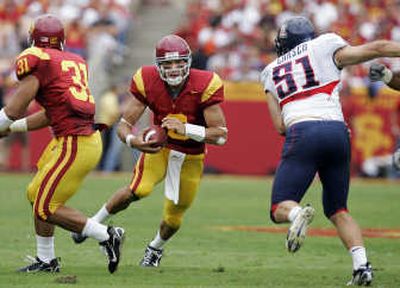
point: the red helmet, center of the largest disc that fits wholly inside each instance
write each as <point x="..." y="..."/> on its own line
<point x="47" y="31"/>
<point x="169" y="49"/>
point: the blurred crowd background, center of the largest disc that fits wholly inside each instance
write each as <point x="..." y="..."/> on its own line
<point x="235" y="38"/>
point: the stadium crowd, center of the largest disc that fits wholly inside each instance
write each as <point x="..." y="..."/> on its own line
<point x="234" y="38"/>
<point x="89" y="24"/>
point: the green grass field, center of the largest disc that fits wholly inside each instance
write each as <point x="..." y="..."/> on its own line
<point x="203" y="254"/>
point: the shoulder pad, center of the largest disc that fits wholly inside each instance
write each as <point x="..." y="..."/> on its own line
<point x="28" y="61"/>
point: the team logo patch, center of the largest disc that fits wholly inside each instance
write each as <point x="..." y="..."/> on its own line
<point x="53" y="40"/>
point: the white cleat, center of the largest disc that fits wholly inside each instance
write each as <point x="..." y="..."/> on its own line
<point x="297" y="231"/>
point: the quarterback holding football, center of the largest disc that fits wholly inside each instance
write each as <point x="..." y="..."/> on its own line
<point x="186" y="102"/>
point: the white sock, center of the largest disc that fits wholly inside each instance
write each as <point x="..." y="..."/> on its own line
<point x="45" y="248"/>
<point x="101" y="215"/>
<point x="157" y="242"/>
<point x="359" y="256"/>
<point x="293" y="213"/>
<point x="95" y="230"/>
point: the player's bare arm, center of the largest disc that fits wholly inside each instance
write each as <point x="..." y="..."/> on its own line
<point x="351" y="55"/>
<point x="216" y="133"/>
<point x="24" y="94"/>
<point x="35" y="121"/>
<point x="395" y="81"/>
<point x="275" y="112"/>
<point x="134" y="109"/>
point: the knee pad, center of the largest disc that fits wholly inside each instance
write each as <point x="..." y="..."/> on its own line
<point x="31" y="193"/>
<point x="142" y="191"/>
<point x="174" y="221"/>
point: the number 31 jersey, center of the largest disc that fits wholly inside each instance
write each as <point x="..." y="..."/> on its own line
<point x="63" y="91"/>
<point x="306" y="81"/>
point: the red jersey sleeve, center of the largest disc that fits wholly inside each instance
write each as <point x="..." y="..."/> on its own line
<point x="214" y="92"/>
<point x="137" y="87"/>
<point x="28" y="62"/>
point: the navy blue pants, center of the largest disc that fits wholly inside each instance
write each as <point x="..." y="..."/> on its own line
<point x="311" y="147"/>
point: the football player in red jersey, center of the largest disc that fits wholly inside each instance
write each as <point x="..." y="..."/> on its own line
<point x="57" y="80"/>
<point x="186" y="102"/>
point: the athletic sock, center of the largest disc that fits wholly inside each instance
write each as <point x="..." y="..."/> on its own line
<point x="95" y="230"/>
<point x="45" y="248"/>
<point x="101" y="215"/>
<point x="157" y="242"/>
<point x="293" y="213"/>
<point x="359" y="256"/>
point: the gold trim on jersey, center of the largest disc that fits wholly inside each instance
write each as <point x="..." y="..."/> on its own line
<point x="35" y="51"/>
<point x="138" y="79"/>
<point x="213" y="86"/>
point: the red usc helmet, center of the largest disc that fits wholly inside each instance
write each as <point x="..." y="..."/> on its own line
<point x="173" y="59"/>
<point x="47" y="31"/>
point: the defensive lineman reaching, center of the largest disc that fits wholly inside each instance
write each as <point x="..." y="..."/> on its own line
<point x="187" y="103"/>
<point x="302" y="87"/>
<point x="379" y="72"/>
<point x="58" y="81"/>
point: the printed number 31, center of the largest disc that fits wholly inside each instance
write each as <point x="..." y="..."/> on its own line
<point x="79" y="76"/>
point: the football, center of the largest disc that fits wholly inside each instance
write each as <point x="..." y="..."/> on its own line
<point x="156" y="133"/>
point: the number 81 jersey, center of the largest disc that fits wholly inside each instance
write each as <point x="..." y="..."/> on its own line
<point x="63" y="91"/>
<point x="306" y="80"/>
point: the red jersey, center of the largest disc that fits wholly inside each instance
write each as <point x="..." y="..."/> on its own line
<point x="202" y="89"/>
<point x="63" y="91"/>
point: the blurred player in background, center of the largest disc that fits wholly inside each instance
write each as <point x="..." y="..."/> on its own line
<point x="57" y="80"/>
<point x="302" y="87"/>
<point x="187" y="103"/>
<point x="379" y="72"/>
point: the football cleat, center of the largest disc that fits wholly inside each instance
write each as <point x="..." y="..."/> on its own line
<point x="38" y="265"/>
<point x="112" y="247"/>
<point x="362" y="276"/>
<point x="297" y="231"/>
<point x="78" y="238"/>
<point x="152" y="257"/>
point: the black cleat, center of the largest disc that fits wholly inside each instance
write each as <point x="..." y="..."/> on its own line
<point x="362" y="276"/>
<point x="112" y="247"/>
<point x="78" y="238"/>
<point x="40" y="266"/>
<point x="152" y="257"/>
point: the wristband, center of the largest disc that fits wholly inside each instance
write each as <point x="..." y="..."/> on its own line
<point x="5" y="122"/>
<point x="128" y="139"/>
<point x="387" y="75"/>
<point x="20" y="125"/>
<point x="195" y="132"/>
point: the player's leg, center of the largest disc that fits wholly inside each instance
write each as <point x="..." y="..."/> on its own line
<point x="149" y="170"/>
<point x="335" y="176"/>
<point x="191" y="171"/>
<point x="79" y="155"/>
<point x="45" y="259"/>
<point x="294" y="175"/>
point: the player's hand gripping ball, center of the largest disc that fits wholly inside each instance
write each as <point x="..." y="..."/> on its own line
<point x="156" y="133"/>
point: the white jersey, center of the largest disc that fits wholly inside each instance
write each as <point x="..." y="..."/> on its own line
<point x="306" y="81"/>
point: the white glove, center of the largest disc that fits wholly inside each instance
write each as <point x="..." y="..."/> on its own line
<point x="396" y="159"/>
<point x="379" y="72"/>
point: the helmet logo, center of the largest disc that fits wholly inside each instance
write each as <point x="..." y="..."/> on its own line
<point x="283" y="33"/>
<point x="53" y="40"/>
